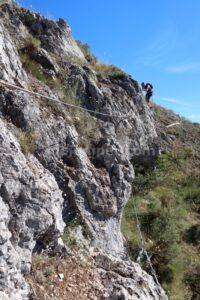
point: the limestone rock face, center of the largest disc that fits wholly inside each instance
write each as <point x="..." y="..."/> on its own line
<point x="31" y="204"/>
<point x="10" y="64"/>
<point x="55" y="37"/>
<point x="50" y="178"/>
<point x="129" y="281"/>
<point x="42" y="57"/>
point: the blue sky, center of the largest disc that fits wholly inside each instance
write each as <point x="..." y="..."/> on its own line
<point x="156" y="41"/>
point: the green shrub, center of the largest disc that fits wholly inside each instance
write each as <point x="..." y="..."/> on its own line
<point x="32" y="67"/>
<point x="68" y="239"/>
<point x="192" y="280"/>
<point x="192" y="235"/>
<point x="192" y="195"/>
<point x="68" y="236"/>
<point x="30" y="44"/>
<point x="28" y="18"/>
<point x="35" y="69"/>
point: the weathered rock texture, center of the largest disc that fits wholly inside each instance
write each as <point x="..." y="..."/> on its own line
<point x="60" y="180"/>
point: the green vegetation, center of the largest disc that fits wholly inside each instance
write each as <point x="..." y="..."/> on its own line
<point x="91" y="58"/>
<point x="32" y="67"/>
<point x="85" y="124"/>
<point x="31" y="44"/>
<point x="35" y="69"/>
<point x="69" y="232"/>
<point x="168" y="203"/>
<point x="27" y="141"/>
<point x="68" y="238"/>
<point x="192" y="279"/>
<point x="28" y="19"/>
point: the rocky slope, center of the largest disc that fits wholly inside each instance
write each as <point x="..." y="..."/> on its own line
<point x="61" y="166"/>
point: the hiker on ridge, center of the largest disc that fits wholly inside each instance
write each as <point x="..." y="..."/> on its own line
<point x="148" y="88"/>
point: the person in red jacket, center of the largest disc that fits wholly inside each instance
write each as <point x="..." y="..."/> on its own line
<point x="148" y="88"/>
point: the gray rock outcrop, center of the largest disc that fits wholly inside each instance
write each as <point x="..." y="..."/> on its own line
<point x="11" y="67"/>
<point x="126" y="280"/>
<point x="60" y="179"/>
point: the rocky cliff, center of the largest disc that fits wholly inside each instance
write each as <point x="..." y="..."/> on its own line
<point x="66" y="174"/>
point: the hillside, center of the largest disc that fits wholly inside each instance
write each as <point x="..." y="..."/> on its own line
<point x="168" y="198"/>
<point x="78" y="143"/>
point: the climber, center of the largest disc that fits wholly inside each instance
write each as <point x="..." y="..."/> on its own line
<point x="148" y="88"/>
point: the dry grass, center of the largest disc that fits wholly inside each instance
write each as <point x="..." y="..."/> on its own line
<point x="60" y="279"/>
<point x="27" y="141"/>
<point x="108" y="70"/>
<point x="91" y="58"/>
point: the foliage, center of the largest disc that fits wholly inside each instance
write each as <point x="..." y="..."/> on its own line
<point x="35" y="69"/>
<point x="91" y="58"/>
<point x="67" y="236"/>
<point x="168" y="205"/>
<point x="32" y="67"/>
<point x="192" y="279"/>
<point x="85" y="124"/>
<point x="30" y="44"/>
<point x="28" y="19"/>
<point x="69" y="232"/>
<point x="192" y="235"/>
<point x="27" y="142"/>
